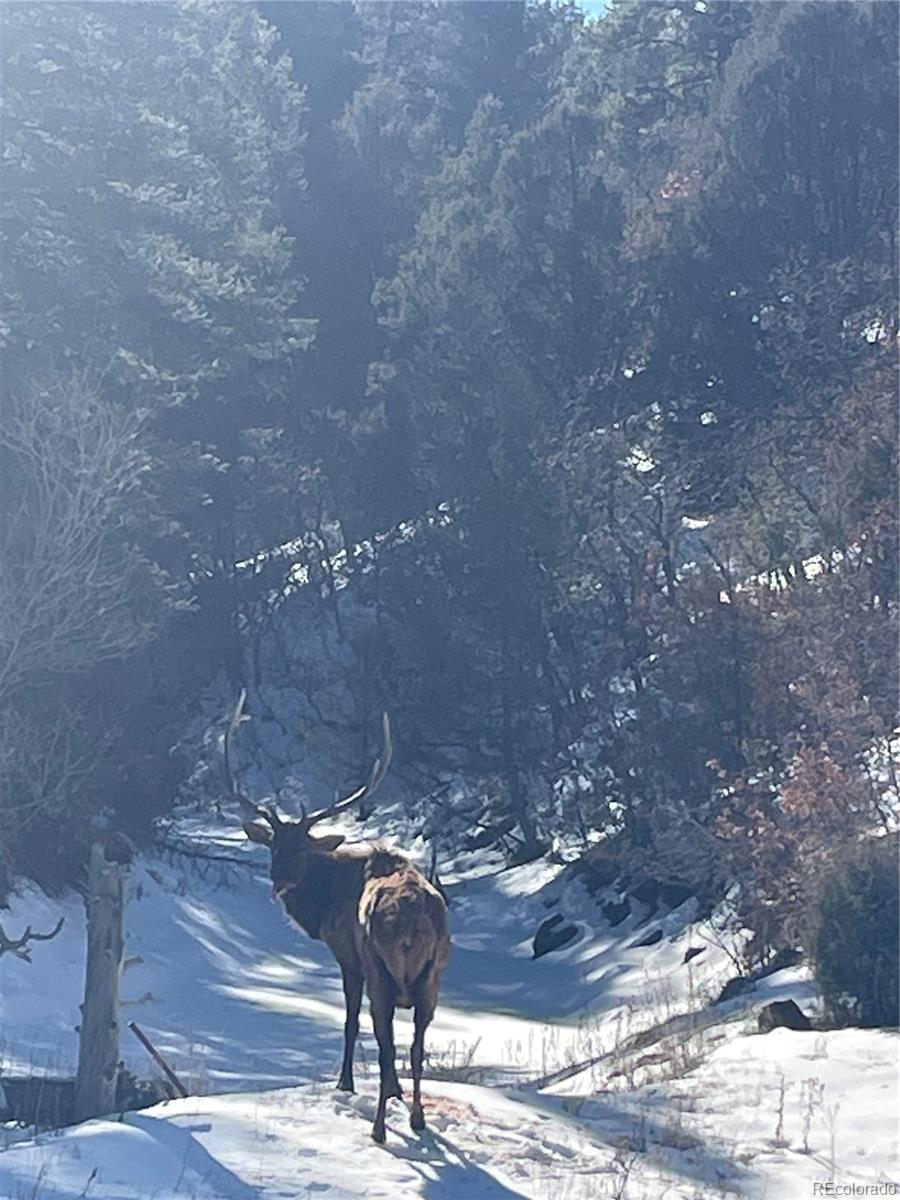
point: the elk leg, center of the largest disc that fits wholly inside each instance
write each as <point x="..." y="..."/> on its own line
<point x="353" y="988"/>
<point x="381" y="996"/>
<point x="422" y="1018"/>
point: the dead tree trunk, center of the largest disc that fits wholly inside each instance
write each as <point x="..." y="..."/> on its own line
<point x="98" y="1044"/>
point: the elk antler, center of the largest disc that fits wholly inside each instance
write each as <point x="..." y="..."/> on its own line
<point x="253" y="810"/>
<point x="379" y="770"/>
<point x="20" y="946"/>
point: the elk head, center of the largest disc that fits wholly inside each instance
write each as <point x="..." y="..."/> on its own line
<point x="290" y="841"/>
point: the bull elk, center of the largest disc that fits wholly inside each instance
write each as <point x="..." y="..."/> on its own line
<point x="382" y="920"/>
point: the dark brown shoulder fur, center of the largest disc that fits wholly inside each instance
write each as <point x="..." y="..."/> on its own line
<point x="382" y="862"/>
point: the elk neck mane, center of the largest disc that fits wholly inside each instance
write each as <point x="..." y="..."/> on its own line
<point x="335" y="879"/>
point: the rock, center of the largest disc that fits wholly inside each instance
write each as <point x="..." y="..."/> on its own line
<point x="738" y="986"/>
<point x="692" y="952"/>
<point x="647" y="892"/>
<point x="783" y="959"/>
<point x="650" y="940"/>
<point x="673" y="895"/>
<point x="782" y="1014"/>
<point x="526" y="854"/>
<point x="656" y="892"/>
<point x="745" y="983"/>
<point x="489" y="835"/>
<point x="616" y="913"/>
<point x="552" y="935"/>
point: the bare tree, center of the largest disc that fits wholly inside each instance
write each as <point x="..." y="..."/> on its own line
<point x="45" y="758"/>
<point x="101" y="1012"/>
<point x="70" y="590"/>
<point x="69" y="459"/>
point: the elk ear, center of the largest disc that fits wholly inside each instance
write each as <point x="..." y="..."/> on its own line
<point x="258" y="832"/>
<point x="328" y="843"/>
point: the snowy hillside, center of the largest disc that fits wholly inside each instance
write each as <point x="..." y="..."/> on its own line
<point x="250" y="1013"/>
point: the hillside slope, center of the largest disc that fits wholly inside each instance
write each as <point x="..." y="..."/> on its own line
<point x="250" y="1013"/>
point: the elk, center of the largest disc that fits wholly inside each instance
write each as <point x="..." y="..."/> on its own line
<point x="385" y="924"/>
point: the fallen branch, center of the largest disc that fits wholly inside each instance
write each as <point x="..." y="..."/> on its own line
<point x="687" y="1024"/>
<point x="188" y="851"/>
<point x="20" y="947"/>
<point x="158" y="1059"/>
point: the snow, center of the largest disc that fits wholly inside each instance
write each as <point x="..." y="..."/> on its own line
<point x="770" y="1115"/>
<point x="651" y="1092"/>
<point x="311" y="1141"/>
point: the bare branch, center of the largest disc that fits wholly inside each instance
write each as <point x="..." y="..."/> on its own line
<point x="21" y="947"/>
<point x="70" y="460"/>
<point x="46" y="759"/>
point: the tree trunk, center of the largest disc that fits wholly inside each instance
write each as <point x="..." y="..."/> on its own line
<point x="98" y="1045"/>
<point x="531" y="847"/>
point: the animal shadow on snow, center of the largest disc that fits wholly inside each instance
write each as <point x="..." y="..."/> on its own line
<point x="448" y="1172"/>
<point x="455" y="1173"/>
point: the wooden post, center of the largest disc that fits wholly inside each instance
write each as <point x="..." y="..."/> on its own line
<point x="98" y="1043"/>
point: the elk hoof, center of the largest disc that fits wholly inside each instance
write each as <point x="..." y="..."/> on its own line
<point x="378" y="1133"/>
<point x="344" y="1085"/>
<point x="417" y="1120"/>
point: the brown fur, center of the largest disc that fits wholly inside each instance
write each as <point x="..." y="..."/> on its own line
<point x="384" y="923"/>
<point x="405" y="921"/>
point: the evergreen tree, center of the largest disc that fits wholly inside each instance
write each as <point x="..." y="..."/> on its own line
<point x="149" y="288"/>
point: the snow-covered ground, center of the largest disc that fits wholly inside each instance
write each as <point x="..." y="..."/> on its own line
<point x="250" y="1013"/>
